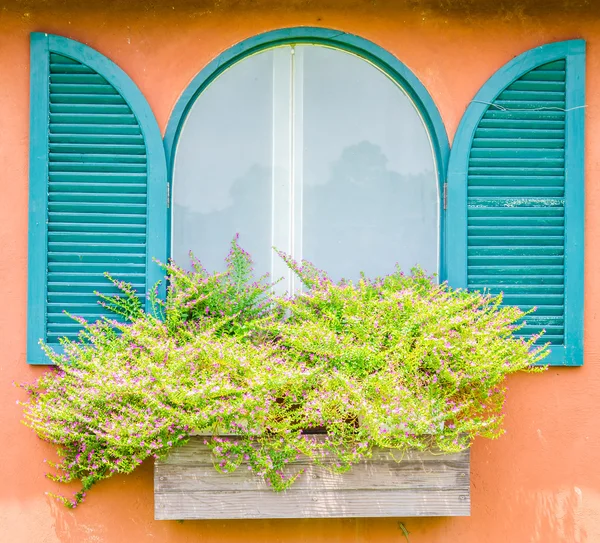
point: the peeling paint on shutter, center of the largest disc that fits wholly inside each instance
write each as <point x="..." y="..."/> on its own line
<point x="516" y="194"/>
<point x="515" y="209"/>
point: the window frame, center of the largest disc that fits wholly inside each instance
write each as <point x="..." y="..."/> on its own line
<point x="361" y="47"/>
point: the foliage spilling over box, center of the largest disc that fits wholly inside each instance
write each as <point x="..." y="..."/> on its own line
<point x="397" y="363"/>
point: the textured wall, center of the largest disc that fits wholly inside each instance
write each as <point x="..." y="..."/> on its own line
<point x="540" y="483"/>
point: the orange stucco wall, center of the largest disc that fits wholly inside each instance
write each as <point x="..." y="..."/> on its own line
<point x="540" y="483"/>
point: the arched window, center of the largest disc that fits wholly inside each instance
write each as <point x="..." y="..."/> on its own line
<point x="322" y="144"/>
<point x="313" y="149"/>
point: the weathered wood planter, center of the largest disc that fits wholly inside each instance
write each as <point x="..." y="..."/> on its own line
<point x="187" y="486"/>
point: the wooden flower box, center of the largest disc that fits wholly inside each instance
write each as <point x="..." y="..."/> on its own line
<point x="419" y="484"/>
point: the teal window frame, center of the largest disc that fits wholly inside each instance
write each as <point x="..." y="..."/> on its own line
<point x="350" y="43"/>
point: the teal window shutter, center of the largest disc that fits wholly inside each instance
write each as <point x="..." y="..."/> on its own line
<point x="97" y="188"/>
<point x="515" y="213"/>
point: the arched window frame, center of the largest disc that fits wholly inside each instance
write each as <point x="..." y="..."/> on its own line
<point x="350" y="43"/>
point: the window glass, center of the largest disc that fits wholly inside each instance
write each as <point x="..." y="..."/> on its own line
<point x="223" y="168"/>
<point x="370" y="185"/>
<point x="312" y="150"/>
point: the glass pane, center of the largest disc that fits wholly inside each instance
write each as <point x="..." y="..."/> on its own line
<point x="223" y="168"/>
<point x="370" y="196"/>
<point x="312" y="150"/>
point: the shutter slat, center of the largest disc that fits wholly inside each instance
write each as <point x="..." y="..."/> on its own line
<point x="517" y="143"/>
<point x="96" y="144"/>
<point x="544" y="75"/>
<point x="85" y="220"/>
<point x="97" y="195"/>
<point x="501" y="169"/>
<point x="97" y="178"/>
<point x="514" y="128"/>
<point x="515" y="269"/>
<point x="59" y="68"/>
<point x="515" y="221"/>
<point x="81" y="308"/>
<point x="515" y="180"/>
<point x="100" y="228"/>
<point x="545" y="320"/>
<point x="515" y="200"/>
<point x="500" y="163"/>
<point x="92" y="158"/>
<point x="95" y="237"/>
<point x="497" y="153"/>
<point x="503" y="204"/>
<point x="545" y="116"/>
<point x="500" y="250"/>
<point x="539" y="84"/>
<point x="506" y="230"/>
<point x="84" y="89"/>
<point x="523" y="240"/>
<point x="95" y="119"/>
<point x="63" y="183"/>
<point x="98" y="211"/>
<point x="62" y="319"/>
<point x="98" y="167"/>
<point x="56" y="300"/>
<point x="511" y="260"/>
<point x="544" y="310"/>
<point x="58" y="98"/>
<point x="79" y="277"/>
<point x="492" y="210"/>
<point x="108" y="258"/>
<point x="77" y="77"/>
<point x="526" y="104"/>
<point x="498" y="281"/>
<point x="527" y="93"/>
<point x="97" y="248"/>
<point x="95" y="129"/>
<point x="87" y="268"/>
<point x="527" y="192"/>
<point x="536" y="300"/>
<point x="110" y="109"/>
<point x="538" y="293"/>
<point x="101" y="285"/>
<point x="90" y="209"/>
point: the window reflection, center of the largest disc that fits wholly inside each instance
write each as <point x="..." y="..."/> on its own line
<point x="313" y="150"/>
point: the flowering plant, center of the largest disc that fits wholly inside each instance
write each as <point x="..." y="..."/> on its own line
<point x="398" y="362"/>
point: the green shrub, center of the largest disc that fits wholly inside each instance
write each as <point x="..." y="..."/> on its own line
<point x="397" y="361"/>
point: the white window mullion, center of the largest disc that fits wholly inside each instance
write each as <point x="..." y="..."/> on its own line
<point x="297" y="177"/>
<point x="281" y="227"/>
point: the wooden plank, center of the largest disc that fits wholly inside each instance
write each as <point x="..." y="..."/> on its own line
<point x="187" y="486"/>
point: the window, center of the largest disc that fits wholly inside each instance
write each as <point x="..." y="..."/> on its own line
<point x="312" y="150"/>
<point x="322" y="144"/>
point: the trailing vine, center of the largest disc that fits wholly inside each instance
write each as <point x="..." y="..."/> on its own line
<point x="397" y="361"/>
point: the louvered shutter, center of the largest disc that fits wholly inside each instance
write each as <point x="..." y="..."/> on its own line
<point x="515" y="194"/>
<point x="97" y="188"/>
